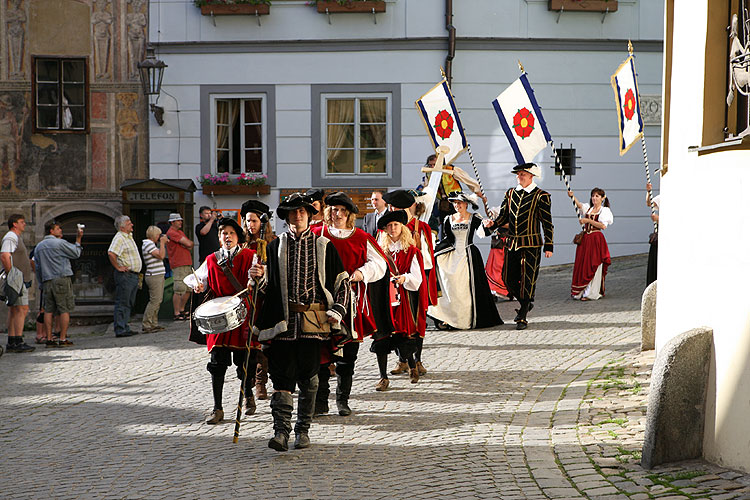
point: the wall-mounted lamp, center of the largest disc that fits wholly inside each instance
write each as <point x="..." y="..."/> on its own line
<point x="152" y="71"/>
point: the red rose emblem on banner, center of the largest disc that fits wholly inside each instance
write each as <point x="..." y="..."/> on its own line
<point x="444" y="124"/>
<point x="523" y="123"/>
<point x="628" y="107"/>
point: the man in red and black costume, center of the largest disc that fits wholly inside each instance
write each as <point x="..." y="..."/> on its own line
<point x="307" y="295"/>
<point x="214" y="274"/>
<point x="422" y="234"/>
<point x="366" y="264"/>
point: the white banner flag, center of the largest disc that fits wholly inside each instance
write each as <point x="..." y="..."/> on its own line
<point x="625" y="85"/>
<point x="440" y="116"/>
<point x="522" y="120"/>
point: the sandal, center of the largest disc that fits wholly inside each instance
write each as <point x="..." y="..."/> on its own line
<point x="40" y="340"/>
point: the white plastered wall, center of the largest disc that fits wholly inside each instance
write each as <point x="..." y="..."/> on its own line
<point x="704" y="263"/>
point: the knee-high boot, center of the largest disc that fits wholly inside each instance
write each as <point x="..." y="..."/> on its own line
<point x="324" y="389"/>
<point x="305" y="405"/>
<point x="217" y="388"/>
<point x="281" y="410"/>
<point x="343" y="389"/>
<point x="261" y="375"/>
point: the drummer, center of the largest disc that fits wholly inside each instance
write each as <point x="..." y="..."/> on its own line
<point x="214" y="273"/>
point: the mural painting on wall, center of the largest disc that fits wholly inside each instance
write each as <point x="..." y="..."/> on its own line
<point x="36" y="162"/>
<point x="11" y="137"/>
<point x="136" y="22"/>
<point x="16" y="29"/>
<point x="102" y="22"/>
<point x="127" y="134"/>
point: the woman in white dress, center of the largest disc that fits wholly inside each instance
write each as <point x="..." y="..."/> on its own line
<point x="466" y="301"/>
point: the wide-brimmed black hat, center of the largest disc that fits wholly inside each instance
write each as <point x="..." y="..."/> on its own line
<point x="293" y="202"/>
<point x="315" y="194"/>
<point x="254" y="206"/>
<point x="393" y="216"/>
<point x="461" y="196"/>
<point x="340" y="198"/>
<point x="531" y="168"/>
<point x="400" y="198"/>
<point x="226" y="221"/>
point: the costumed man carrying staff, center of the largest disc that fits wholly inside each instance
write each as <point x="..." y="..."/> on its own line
<point x="365" y="262"/>
<point x="307" y="294"/>
<point x="422" y="234"/>
<point x="525" y="208"/>
<point x="256" y="221"/>
<point x="225" y="273"/>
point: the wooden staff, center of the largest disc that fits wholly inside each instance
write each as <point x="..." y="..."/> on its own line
<point x="260" y="252"/>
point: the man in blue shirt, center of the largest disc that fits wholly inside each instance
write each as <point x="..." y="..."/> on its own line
<point x="52" y="256"/>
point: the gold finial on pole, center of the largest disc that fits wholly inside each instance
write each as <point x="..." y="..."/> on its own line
<point x="442" y="73"/>
<point x="520" y="66"/>
<point x="630" y="48"/>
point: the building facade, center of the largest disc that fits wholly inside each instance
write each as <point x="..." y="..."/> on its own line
<point x="702" y="281"/>
<point x="326" y="100"/>
<point x="73" y="122"/>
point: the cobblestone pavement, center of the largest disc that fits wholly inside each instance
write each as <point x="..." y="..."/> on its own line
<point x="556" y="411"/>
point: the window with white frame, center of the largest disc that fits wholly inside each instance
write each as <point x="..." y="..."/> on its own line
<point x="356" y="135"/>
<point x="238" y="135"/>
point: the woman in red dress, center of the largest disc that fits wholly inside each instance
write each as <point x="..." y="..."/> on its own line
<point x="409" y="301"/>
<point x="592" y="254"/>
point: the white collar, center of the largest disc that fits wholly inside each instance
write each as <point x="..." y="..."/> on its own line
<point x="528" y="188"/>
<point x="394" y="246"/>
<point x="380" y="214"/>
<point x="229" y="254"/>
<point x="340" y="233"/>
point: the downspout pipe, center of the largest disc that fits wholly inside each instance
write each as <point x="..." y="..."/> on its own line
<point x="451" y="40"/>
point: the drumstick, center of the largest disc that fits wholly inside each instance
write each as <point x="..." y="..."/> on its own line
<point x="235" y="295"/>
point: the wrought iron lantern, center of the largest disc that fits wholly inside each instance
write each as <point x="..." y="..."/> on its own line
<point x="151" y="71"/>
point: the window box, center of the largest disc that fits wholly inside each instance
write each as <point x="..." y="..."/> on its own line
<point x="235" y="9"/>
<point x="366" y="6"/>
<point x="584" y="5"/>
<point x="235" y="189"/>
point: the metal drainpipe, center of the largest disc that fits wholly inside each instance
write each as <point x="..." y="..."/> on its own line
<point x="451" y="40"/>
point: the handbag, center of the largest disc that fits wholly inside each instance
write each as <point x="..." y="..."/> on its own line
<point x="314" y="320"/>
<point x="653" y="238"/>
<point x="578" y="238"/>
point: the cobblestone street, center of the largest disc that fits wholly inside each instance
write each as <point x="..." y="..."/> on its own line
<point x="556" y="411"/>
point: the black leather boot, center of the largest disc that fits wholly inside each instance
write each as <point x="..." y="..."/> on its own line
<point x="281" y="410"/>
<point x="305" y="405"/>
<point x="343" y="389"/>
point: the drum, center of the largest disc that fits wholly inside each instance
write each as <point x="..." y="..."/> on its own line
<point x="219" y="315"/>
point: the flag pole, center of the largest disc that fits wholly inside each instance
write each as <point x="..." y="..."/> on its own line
<point x="479" y="181"/>
<point x="564" y="178"/>
<point x="648" y="180"/>
<point x="473" y="163"/>
<point x="645" y="156"/>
